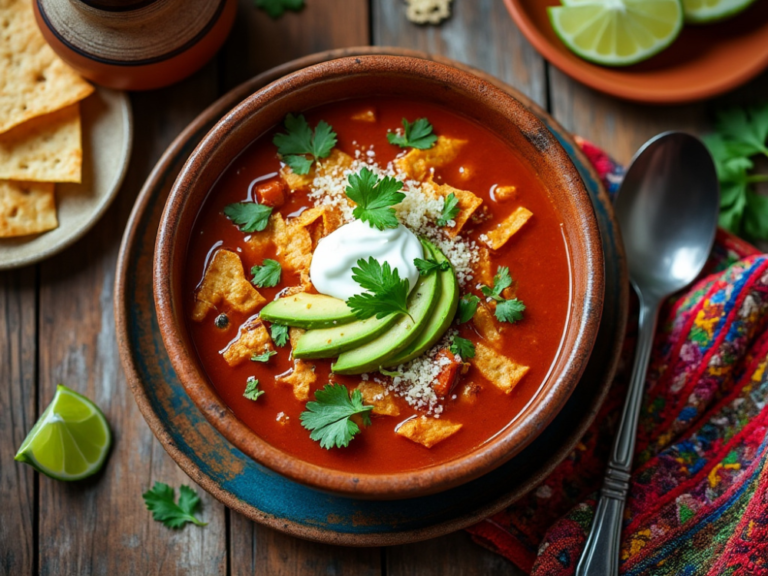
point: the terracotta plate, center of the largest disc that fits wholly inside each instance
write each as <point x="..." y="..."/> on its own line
<point x="703" y="62"/>
<point x="107" y="128"/>
<point x="266" y="497"/>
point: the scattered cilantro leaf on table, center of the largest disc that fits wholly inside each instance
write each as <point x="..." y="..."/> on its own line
<point x="299" y="141"/>
<point x="386" y="292"/>
<point x="506" y="310"/>
<point x="467" y="308"/>
<point x="160" y="500"/>
<point x="279" y="334"/>
<point x="249" y="216"/>
<point x="418" y="134"/>
<point x="450" y="210"/>
<point x="329" y="417"/>
<point x="426" y="267"/>
<point x="462" y="347"/>
<point x="263" y="357"/>
<point x="252" y="391"/>
<point x="267" y="275"/>
<point x="276" y="8"/>
<point x="375" y="198"/>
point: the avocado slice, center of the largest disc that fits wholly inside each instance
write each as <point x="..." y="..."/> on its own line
<point x="330" y="342"/>
<point x="371" y="356"/>
<point x="308" y="311"/>
<point x="441" y="317"/>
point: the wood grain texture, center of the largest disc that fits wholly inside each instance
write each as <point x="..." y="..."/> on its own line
<point x="100" y="526"/>
<point x="18" y="361"/>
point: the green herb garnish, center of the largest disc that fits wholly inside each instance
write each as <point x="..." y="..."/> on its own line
<point x="506" y="310"/>
<point x="267" y="275"/>
<point x="467" y="308"/>
<point x="386" y="292"/>
<point x="415" y="135"/>
<point x="426" y="267"/>
<point x="329" y="418"/>
<point x="741" y="134"/>
<point x="390" y="373"/>
<point x="462" y="347"/>
<point x="249" y="216"/>
<point x="299" y="142"/>
<point x="276" y="8"/>
<point x="279" y="334"/>
<point x="252" y="391"/>
<point x="160" y="500"/>
<point x="450" y="210"/>
<point x="375" y="198"/>
<point x="263" y="357"/>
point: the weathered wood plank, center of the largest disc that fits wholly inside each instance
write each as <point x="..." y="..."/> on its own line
<point x="18" y="360"/>
<point x="101" y="526"/>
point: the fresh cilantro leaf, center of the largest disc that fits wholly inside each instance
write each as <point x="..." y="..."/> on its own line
<point x="746" y="128"/>
<point x="263" y="357"/>
<point x="160" y="500"/>
<point x="299" y="142"/>
<point x="249" y="216"/>
<point x="462" y="347"/>
<point x="450" y="210"/>
<point x="416" y="135"/>
<point x="374" y="198"/>
<point x="426" y="267"/>
<point x="385" y="291"/>
<point x="252" y="391"/>
<point x="756" y="216"/>
<point x="276" y="8"/>
<point x="267" y="275"/>
<point x="329" y="418"/>
<point x="510" y="310"/>
<point x="467" y="308"/>
<point x="391" y="373"/>
<point x="501" y="280"/>
<point x="279" y="334"/>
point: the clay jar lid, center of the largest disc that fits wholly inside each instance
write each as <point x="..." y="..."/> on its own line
<point x="132" y="34"/>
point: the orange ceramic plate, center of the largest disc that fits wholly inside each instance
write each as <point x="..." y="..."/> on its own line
<point x="703" y="62"/>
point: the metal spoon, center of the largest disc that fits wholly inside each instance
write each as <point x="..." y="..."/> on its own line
<point x="667" y="211"/>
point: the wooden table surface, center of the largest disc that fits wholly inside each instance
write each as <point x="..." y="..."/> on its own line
<point x="56" y="322"/>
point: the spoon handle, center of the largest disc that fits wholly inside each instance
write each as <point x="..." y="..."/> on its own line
<point x="601" y="552"/>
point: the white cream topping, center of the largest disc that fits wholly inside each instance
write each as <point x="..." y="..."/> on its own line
<point x="338" y="253"/>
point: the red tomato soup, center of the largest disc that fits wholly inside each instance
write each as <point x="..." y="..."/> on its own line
<point x="535" y="255"/>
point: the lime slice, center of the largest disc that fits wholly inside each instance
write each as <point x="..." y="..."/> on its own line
<point x="704" y="11"/>
<point x="70" y="440"/>
<point x="617" y="32"/>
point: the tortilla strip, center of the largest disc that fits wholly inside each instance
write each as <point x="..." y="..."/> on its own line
<point x="224" y="283"/>
<point x="498" y="369"/>
<point x="468" y="203"/>
<point x="417" y="164"/>
<point x="375" y="394"/>
<point x="486" y="325"/>
<point x="497" y="237"/>
<point x="26" y="208"/>
<point x="253" y="338"/>
<point x="336" y="162"/>
<point x="301" y="378"/>
<point x="427" y="431"/>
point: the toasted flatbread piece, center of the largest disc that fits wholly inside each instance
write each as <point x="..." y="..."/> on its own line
<point x="498" y="369"/>
<point x="26" y="208"/>
<point x="301" y="379"/>
<point x="224" y="284"/>
<point x="336" y="162"/>
<point x="376" y="395"/>
<point x="44" y="149"/>
<point x="417" y="164"/>
<point x="253" y="339"/>
<point x="427" y="431"/>
<point x="33" y="80"/>
<point x="507" y="228"/>
<point x="468" y="203"/>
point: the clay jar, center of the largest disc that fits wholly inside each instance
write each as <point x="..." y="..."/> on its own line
<point x="135" y="44"/>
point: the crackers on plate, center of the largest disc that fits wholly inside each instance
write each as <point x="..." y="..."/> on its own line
<point x="40" y="140"/>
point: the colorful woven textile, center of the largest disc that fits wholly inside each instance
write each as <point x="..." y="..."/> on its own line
<point x="698" y="501"/>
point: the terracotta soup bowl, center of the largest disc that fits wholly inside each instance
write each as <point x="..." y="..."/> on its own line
<point x="390" y="77"/>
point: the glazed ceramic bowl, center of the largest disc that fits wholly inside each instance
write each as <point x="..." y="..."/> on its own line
<point x="395" y="77"/>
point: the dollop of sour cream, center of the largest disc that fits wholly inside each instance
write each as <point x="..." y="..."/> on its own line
<point x="338" y="253"/>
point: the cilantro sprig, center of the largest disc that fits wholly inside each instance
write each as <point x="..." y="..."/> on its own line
<point x="506" y="310"/>
<point x="375" y="198"/>
<point x="741" y="135"/>
<point x="450" y="210"/>
<point x="249" y="216"/>
<point x="467" y="308"/>
<point x="329" y="417"/>
<point x="252" y="391"/>
<point x="418" y="134"/>
<point x="462" y="347"/>
<point x="160" y="500"/>
<point x="276" y="8"/>
<point x="267" y="275"/>
<point x="263" y="357"/>
<point x="386" y="292"/>
<point x="279" y="334"/>
<point x="426" y="267"/>
<point x="299" y="141"/>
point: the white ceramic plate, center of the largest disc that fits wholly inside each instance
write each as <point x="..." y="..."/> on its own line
<point x="107" y="127"/>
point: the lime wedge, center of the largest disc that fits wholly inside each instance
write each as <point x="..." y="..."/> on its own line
<point x="617" y="32"/>
<point x="70" y="440"/>
<point x="704" y="11"/>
